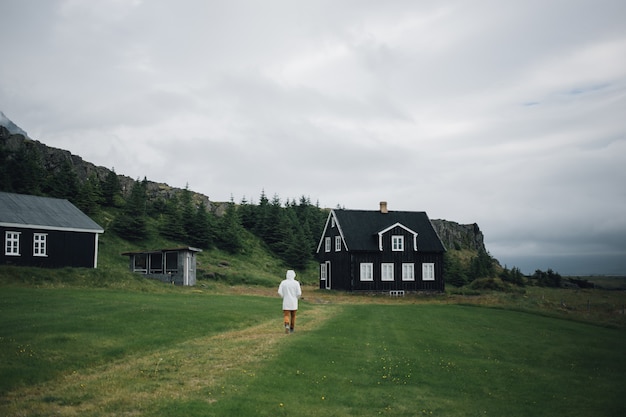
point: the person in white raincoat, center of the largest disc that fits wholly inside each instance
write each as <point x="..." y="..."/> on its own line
<point x="290" y="290"/>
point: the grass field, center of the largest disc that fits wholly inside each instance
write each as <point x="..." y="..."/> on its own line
<point x="152" y="350"/>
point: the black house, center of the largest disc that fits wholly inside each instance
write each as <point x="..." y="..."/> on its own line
<point x="390" y="251"/>
<point x="46" y="232"/>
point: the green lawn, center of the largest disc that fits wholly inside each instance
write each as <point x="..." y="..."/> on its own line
<point x="107" y="352"/>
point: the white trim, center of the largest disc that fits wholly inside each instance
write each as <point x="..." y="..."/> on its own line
<point x="95" y="251"/>
<point x="428" y="271"/>
<point x="387" y="273"/>
<point x="42" y="227"/>
<point x="15" y="237"/>
<point x="408" y="271"/>
<point x="398" y="224"/>
<point x="366" y="273"/>
<point x="337" y="243"/>
<point x="397" y="239"/>
<point x="40" y="245"/>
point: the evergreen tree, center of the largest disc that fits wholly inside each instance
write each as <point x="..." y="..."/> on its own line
<point x="89" y="196"/>
<point x="63" y="183"/>
<point x="201" y="237"/>
<point x="229" y="232"/>
<point x="171" y="224"/>
<point x="111" y="189"/>
<point x="132" y="223"/>
<point x="26" y="170"/>
<point x="187" y="213"/>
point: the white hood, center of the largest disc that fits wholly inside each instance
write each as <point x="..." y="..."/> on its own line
<point x="290" y="274"/>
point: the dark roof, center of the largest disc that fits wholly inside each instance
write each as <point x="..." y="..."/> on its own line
<point x="29" y="211"/>
<point x="360" y="228"/>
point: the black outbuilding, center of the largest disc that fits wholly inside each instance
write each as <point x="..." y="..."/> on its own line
<point x="46" y="232"/>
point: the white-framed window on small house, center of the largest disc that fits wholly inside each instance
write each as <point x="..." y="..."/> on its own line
<point x="40" y="244"/>
<point x="12" y="243"/>
<point x="428" y="272"/>
<point x="367" y="272"/>
<point x="386" y="272"/>
<point x="327" y="244"/>
<point x="408" y="272"/>
<point x="337" y="243"/>
<point x="323" y="271"/>
<point x="397" y="243"/>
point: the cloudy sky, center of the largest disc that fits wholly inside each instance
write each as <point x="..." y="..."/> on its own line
<point x="510" y="114"/>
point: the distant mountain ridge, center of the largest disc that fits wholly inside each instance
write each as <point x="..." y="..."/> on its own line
<point x="454" y="236"/>
<point x="11" y="127"/>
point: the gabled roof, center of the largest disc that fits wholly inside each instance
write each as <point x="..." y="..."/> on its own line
<point x="360" y="228"/>
<point x="34" y="212"/>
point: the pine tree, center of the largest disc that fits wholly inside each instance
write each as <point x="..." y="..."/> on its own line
<point x="89" y="196"/>
<point x="132" y="223"/>
<point x="203" y="226"/>
<point x="63" y="183"/>
<point x="111" y="189"/>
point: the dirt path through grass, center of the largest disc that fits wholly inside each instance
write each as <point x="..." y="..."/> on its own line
<point x="192" y="370"/>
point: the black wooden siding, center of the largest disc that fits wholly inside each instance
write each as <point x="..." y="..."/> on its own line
<point x="64" y="249"/>
<point x="345" y="266"/>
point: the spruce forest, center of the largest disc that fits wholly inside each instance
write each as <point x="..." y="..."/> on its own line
<point x="290" y="229"/>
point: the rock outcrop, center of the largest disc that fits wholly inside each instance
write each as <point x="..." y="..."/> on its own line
<point x="457" y="236"/>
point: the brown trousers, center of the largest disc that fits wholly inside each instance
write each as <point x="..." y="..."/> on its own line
<point x="290" y="318"/>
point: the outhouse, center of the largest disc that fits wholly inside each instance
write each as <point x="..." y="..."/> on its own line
<point x="172" y="265"/>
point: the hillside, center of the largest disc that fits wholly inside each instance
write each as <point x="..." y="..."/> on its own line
<point x="463" y="242"/>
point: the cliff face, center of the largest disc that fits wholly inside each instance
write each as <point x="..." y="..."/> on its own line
<point x="52" y="160"/>
<point x="459" y="236"/>
<point x="453" y="235"/>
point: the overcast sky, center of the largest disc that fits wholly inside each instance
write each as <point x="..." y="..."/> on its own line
<point x="509" y="114"/>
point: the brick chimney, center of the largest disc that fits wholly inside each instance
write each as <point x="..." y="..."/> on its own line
<point x="383" y="207"/>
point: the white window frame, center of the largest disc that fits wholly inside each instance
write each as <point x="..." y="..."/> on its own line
<point x="428" y="271"/>
<point x="327" y="244"/>
<point x="397" y="243"/>
<point x="40" y="244"/>
<point x="12" y="243"/>
<point x="323" y="271"/>
<point x="367" y="271"/>
<point x="337" y="243"/>
<point x="408" y="272"/>
<point x="386" y="272"/>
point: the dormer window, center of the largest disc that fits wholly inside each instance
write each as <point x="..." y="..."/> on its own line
<point x="397" y="243"/>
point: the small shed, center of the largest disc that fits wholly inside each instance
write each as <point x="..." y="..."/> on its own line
<point x="46" y="232"/>
<point x="171" y="265"/>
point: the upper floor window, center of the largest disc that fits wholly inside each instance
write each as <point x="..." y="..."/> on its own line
<point x="337" y="243"/>
<point x="327" y="244"/>
<point x="12" y="243"/>
<point x="428" y="272"/>
<point x="397" y="243"/>
<point x="40" y="244"/>
<point x="408" y="272"/>
<point x="386" y="272"/>
<point x="367" y="272"/>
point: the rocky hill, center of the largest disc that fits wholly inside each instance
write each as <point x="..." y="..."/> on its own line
<point x="454" y="236"/>
<point x="457" y="236"/>
<point x="53" y="159"/>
